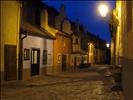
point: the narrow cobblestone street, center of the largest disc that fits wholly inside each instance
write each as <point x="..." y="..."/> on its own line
<point x="83" y="84"/>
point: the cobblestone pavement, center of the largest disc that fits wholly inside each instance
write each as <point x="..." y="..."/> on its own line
<point x="86" y="84"/>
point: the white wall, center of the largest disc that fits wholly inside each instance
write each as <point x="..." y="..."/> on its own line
<point x="49" y="52"/>
<point x="42" y="44"/>
<point x="33" y="42"/>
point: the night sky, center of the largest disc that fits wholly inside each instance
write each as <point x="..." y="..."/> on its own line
<point x="86" y="12"/>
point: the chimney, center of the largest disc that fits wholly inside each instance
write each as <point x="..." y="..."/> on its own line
<point x="77" y="26"/>
<point x="44" y="18"/>
<point x="62" y="11"/>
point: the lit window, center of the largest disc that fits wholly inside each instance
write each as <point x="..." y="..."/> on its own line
<point x="26" y="54"/>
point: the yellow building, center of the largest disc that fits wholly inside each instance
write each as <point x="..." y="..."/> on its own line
<point x="57" y="53"/>
<point x="61" y="53"/>
<point x="62" y="44"/>
<point x="10" y="23"/>
<point x="97" y="50"/>
<point x="36" y="42"/>
<point x="91" y="53"/>
<point x="75" y="55"/>
<point x="76" y="46"/>
<point x="122" y="47"/>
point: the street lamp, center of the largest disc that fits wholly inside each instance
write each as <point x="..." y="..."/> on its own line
<point x="107" y="45"/>
<point x="103" y="9"/>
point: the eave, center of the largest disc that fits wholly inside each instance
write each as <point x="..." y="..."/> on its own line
<point x="34" y="30"/>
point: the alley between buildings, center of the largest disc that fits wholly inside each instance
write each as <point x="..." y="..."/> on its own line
<point x="49" y="52"/>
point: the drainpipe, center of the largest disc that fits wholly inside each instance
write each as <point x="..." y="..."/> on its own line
<point x="20" y="69"/>
<point x="20" y="64"/>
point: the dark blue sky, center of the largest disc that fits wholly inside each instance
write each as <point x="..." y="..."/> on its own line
<point x="87" y="13"/>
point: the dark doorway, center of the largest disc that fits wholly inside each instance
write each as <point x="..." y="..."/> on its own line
<point x="35" y="61"/>
<point x="75" y="62"/>
<point x="10" y="63"/>
<point x="63" y="62"/>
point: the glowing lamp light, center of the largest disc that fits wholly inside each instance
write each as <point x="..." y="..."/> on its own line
<point x="107" y="45"/>
<point x="103" y="9"/>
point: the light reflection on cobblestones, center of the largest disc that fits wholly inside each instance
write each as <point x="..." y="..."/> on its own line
<point x="73" y="89"/>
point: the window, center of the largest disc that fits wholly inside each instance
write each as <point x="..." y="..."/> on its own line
<point x="26" y="54"/>
<point x="44" y="57"/>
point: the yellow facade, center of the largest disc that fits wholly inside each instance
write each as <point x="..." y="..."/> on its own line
<point x="124" y="45"/>
<point x="75" y="56"/>
<point x="10" y="22"/>
<point x="112" y="51"/>
<point x="91" y="53"/>
<point x="96" y="55"/>
<point x="61" y="46"/>
<point x="44" y="23"/>
<point x="118" y="42"/>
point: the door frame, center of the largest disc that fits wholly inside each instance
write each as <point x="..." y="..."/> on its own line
<point x="38" y="49"/>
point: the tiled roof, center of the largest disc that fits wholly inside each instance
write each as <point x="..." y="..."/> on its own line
<point x="35" y="30"/>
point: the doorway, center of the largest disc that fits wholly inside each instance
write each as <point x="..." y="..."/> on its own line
<point x="35" y="61"/>
<point x="10" y="63"/>
<point x="63" y="63"/>
<point x="75" y="62"/>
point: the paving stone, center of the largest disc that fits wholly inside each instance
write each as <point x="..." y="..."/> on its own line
<point x="64" y="88"/>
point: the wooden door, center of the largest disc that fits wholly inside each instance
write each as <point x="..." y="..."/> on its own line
<point x="35" y="61"/>
<point x="10" y="63"/>
<point x="75" y="62"/>
<point x="63" y="62"/>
